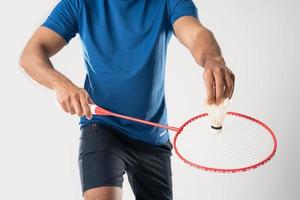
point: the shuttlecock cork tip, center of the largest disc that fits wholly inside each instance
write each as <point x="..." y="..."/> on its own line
<point x="216" y="129"/>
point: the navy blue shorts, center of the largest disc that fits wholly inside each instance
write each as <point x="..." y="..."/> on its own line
<point x="105" y="154"/>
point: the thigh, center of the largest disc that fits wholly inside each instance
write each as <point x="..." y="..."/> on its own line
<point x="100" y="169"/>
<point x="151" y="178"/>
<point x="99" y="162"/>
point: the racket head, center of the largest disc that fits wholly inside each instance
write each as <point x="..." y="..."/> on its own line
<point x="267" y="157"/>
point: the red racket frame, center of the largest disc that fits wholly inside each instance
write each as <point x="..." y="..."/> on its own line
<point x="234" y="170"/>
<point x="101" y="111"/>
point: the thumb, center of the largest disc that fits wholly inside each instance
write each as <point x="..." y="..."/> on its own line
<point x="89" y="99"/>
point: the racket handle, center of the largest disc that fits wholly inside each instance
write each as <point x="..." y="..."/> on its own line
<point x="96" y="110"/>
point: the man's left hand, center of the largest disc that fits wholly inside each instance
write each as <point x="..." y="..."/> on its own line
<point x="219" y="80"/>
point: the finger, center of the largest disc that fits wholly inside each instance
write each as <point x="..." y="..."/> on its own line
<point x="228" y="86"/>
<point x="85" y="106"/>
<point x="219" y="81"/>
<point x="70" y="107"/>
<point x="89" y="99"/>
<point x="209" y="85"/>
<point x="76" y="104"/>
<point x="64" y="107"/>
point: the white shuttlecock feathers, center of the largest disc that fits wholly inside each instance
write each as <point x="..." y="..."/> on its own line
<point x="216" y="114"/>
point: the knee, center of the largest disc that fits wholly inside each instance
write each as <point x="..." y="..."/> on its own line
<point x="103" y="193"/>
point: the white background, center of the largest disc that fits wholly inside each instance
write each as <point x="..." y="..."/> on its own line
<point x="260" y="42"/>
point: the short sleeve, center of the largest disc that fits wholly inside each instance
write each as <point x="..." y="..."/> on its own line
<point x="180" y="8"/>
<point x="64" y="19"/>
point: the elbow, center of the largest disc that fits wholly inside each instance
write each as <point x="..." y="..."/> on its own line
<point x="26" y="57"/>
<point x="22" y="65"/>
<point x="22" y="62"/>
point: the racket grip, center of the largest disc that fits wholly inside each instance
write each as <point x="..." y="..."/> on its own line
<point x="93" y="108"/>
<point x="96" y="110"/>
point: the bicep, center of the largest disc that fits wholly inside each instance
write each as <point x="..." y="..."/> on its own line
<point x="45" y="38"/>
<point x="186" y="29"/>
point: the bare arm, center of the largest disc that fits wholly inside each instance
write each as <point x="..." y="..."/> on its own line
<point x="35" y="60"/>
<point x="219" y="80"/>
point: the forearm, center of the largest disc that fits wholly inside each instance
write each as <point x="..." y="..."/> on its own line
<point x="218" y="78"/>
<point x="36" y="63"/>
<point x="205" y="49"/>
<point x="35" y="60"/>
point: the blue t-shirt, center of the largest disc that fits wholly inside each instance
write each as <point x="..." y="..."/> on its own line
<point x="124" y="45"/>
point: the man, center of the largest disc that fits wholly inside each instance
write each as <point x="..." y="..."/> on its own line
<point x="124" y="44"/>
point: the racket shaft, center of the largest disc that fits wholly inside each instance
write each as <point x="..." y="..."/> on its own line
<point x="144" y="122"/>
<point x="96" y="110"/>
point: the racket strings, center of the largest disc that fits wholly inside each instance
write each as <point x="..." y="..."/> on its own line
<point x="242" y="143"/>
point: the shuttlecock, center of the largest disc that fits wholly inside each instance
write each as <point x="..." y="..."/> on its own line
<point x="216" y="114"/>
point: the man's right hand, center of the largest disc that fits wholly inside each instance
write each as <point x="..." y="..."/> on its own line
<point x="73" y="100"/>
